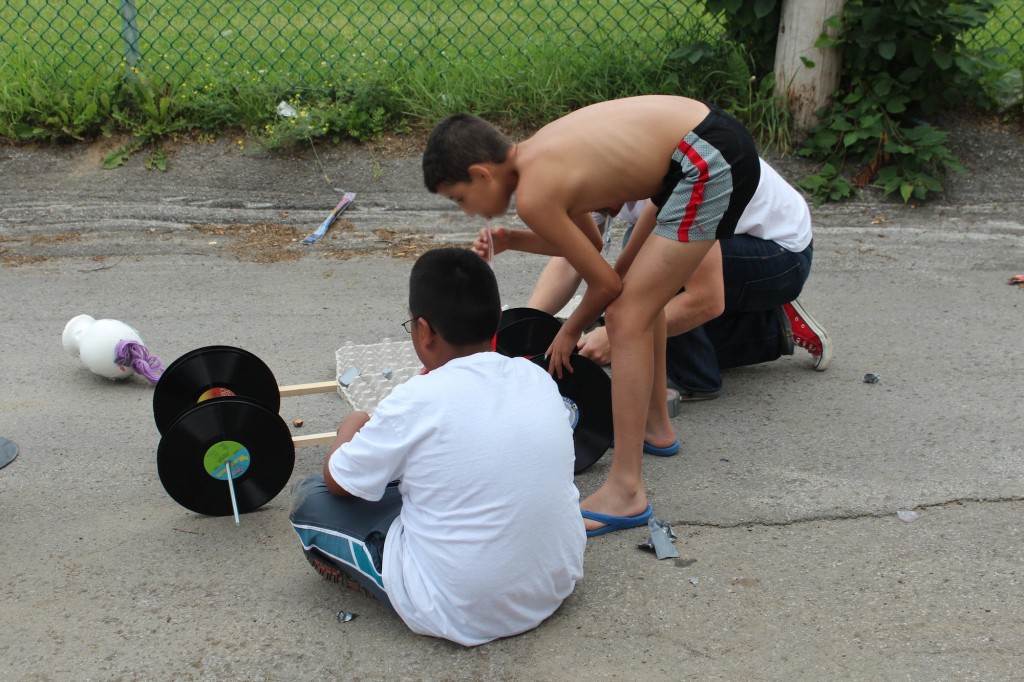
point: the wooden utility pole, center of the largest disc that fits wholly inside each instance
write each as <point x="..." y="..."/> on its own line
<point x="806" y="88"/>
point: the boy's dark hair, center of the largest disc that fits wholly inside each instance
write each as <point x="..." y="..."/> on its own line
<point x="456" y="292"/>
<point x="458" y="142"/>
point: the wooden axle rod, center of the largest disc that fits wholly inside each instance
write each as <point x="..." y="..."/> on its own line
<point x="307" y="389"/>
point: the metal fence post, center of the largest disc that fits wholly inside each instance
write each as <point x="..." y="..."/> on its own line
<point x="130" y="35"/>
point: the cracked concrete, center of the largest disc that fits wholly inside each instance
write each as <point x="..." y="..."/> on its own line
<point x="794" y="564"/>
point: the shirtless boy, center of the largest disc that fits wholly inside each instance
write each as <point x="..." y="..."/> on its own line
<point x="696" y="163"/>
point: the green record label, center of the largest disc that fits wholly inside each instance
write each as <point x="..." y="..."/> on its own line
<point x="220" y="454"/>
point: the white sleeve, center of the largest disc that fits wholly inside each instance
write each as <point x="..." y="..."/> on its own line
<point x="376" y="454"/>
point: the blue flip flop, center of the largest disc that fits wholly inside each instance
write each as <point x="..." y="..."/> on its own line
<point x="666" y="451"/>
<point x="613" y="523"/>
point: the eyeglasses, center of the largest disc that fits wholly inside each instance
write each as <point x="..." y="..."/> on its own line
<point x="406" y="327"/>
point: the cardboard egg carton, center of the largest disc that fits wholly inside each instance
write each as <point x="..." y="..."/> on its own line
<point x="368" y="372"/>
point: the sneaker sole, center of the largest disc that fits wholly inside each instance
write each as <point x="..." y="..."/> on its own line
<point x="332" y="573"/>
<point x="688" y="396"/>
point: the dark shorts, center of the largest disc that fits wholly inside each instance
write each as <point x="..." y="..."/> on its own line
<point x="347" y="531"/>
<point x="711" y="178"/>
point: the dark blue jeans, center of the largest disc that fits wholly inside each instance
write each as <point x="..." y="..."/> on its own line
<point x="759" y="277"/>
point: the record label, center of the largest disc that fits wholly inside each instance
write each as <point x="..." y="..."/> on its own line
<point x="587" y="395"/>
<point x="218" y="392"/>
<point x="221" y="453"/>
<point x="574" y="412"/>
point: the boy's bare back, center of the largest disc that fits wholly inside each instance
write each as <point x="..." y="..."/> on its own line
<point x="603" y="155"/>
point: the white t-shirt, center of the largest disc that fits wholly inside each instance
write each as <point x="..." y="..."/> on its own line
<point x="777" y="212"/>
<point x="490" y="539"/>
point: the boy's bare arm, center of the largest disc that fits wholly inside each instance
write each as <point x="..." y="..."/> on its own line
<point x="531" y="242"/>
<point x="553" y="225"/>
<point x="347" y="430"/>
<point x="551" y="222"/>
<point x="527" y="241"/>
<point x="585" y="221"/>
<point x="641" y="231"/>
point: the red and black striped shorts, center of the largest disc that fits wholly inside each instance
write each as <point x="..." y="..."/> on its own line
<point x="713" y="173"/>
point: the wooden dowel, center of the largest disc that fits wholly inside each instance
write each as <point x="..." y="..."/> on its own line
<point x="305" y="389"/>
<point x="314" y="439"/>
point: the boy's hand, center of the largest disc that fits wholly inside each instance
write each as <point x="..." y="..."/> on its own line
<point x="491" y="241"/>
<point x="560" y="352"/>
<point x="594" y="346"/>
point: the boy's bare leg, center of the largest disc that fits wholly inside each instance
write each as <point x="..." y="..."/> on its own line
<point x="634" y="321"/>
<point x="658" y="430"/>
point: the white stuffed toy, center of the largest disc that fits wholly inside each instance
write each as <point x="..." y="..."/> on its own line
<point x="110" y="348"/>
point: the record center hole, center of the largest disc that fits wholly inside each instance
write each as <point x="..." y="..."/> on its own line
<point x="221" y="453"/>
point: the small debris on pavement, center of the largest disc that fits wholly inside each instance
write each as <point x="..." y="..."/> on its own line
<point x="297" y="422"/>
<point x="660" y="540"/>
<point x="906" y="515"/>
<point x="871" y="378"/>
<point x="346" y="616"/>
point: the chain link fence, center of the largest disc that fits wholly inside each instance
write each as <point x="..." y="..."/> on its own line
<point x="308" y="42"/>
<point x="1004" y="31"/>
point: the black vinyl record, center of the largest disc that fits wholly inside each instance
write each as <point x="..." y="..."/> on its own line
<point x="193" y="455"/>
<point x="211" y="372"/>
<point x="513" y="315"/>
<point x="587" y="392"/>
<point x="527" y="337"/>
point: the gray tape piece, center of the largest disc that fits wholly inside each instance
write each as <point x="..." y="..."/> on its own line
<point x="661" y="539"/>
<point x="348" y="376"/>
<point x="8" y="451"/>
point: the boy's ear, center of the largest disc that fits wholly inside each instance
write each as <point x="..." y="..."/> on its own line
<point x="481" y="171"/>
<point x="427" y="335"/>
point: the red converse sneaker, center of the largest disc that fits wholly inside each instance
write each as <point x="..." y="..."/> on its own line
<point x="807" y="333"/>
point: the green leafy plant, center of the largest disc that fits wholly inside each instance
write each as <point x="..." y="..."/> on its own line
<point x="150" y="111"/>
<point x="36" y="105"/>
<point x="120" y="156"/>
<point x="754" y="24"/>
<point x="903" y="62"/>
<point x="725" y="73"/>
<point x="157" y="160"/>
<point x="363" y="112"/>
<point x="152" y="108"/>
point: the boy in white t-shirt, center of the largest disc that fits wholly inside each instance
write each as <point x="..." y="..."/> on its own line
<point x="455" y="502"/>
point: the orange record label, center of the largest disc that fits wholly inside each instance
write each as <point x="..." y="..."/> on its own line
<point x="216" y="392"/>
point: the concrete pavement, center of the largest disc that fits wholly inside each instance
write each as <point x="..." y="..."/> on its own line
<point x="795" y="564"/>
